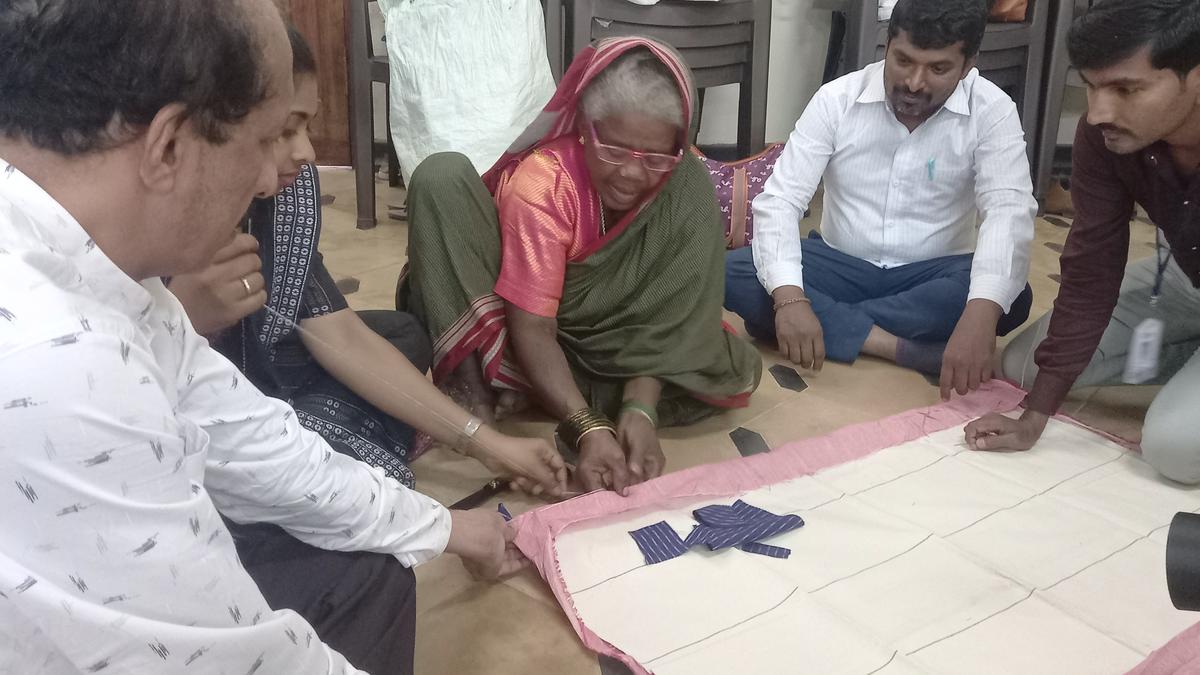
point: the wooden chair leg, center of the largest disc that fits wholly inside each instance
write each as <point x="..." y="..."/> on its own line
<point x="362" y="123"/>
<point x="393" y="161"/>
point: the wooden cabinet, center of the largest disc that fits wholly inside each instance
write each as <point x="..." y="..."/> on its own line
<point x="323" y="22"/>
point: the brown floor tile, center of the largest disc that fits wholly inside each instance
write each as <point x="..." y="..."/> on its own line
<point x="487" y="629"/>
<point x="377" y="287"/>
<point x="357" y="261"/>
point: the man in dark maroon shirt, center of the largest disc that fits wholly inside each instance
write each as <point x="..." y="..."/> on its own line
<point x="1140" y="145"/>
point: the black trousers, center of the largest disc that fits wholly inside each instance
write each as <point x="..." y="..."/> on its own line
<point x="363" y="605"/>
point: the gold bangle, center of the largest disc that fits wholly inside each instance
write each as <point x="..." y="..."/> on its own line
<point x="791" y="301"/>
<point x="580" y="423"/>
<point x="603" y="427"/>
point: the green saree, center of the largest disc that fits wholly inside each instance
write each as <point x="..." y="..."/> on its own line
<point x="646" y="303"/>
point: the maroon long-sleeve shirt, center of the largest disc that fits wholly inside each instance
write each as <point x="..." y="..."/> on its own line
<point x="1104" y="188"/>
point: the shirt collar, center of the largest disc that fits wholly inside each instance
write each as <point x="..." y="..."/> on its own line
<point x="874" y="90"/>
<point x="51" y="239"/>
<point x="1156" y="160"/>
<point x="959" y="102"/>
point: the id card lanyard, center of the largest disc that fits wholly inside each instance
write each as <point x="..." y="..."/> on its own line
<point x="1145" y="345"/>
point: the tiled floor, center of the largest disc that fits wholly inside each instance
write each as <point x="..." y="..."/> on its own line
<point x="466" y="627"/>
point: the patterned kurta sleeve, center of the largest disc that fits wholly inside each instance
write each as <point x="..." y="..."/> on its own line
<point x="321" y="294"/>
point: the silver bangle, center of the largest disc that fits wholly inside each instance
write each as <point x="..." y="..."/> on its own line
<point x="468" y="432"/>
<point x="472" y="426"/>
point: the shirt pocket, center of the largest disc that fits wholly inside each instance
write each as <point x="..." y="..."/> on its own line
<point x="944" y="182"/>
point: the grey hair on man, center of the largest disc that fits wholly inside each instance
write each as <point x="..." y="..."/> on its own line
<point x="635" y="82"/>
<point x="65" y="88"/>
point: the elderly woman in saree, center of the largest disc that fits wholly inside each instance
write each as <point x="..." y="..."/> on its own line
<point x="585" y="268"/>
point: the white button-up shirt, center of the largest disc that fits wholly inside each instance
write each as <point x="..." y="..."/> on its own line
<point x="121" y="433"/>
<point x="894" y="197"/>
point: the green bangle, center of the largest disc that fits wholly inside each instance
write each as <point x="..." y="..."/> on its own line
<point x="644" y="410"/>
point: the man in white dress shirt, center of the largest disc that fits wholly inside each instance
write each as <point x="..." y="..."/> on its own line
<point x="133" y="134"/>
<point x="912" y="151"/>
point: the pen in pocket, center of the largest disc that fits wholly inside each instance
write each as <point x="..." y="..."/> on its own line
<point x="929" y="166"/>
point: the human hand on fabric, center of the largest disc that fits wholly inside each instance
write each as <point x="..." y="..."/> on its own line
<point x="971" y="351"/>
<point x="229" y="289"/>
<point x="484" y="541"/>
<point x="602" y="463"/>
<point x="639" y="438"/>
<point x="798" y="330"/>
<point x="998" y="433"/>
<point x="534" y="464"/>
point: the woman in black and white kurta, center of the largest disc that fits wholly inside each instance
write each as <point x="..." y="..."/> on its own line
<point x="269" y="305"/>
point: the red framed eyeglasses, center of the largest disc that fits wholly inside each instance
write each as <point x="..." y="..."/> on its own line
<point x="616" y="155"/>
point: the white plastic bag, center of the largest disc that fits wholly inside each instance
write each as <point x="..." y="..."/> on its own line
<point x="466" y="76"/>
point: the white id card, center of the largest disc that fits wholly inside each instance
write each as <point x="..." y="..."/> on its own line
<point x="1142" y="363"/>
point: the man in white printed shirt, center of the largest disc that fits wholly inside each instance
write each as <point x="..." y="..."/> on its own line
<point x="133" y="134"/>
<point x="912" y="150"/>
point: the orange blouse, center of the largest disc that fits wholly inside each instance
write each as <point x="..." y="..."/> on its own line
<point x="549" y="214"/>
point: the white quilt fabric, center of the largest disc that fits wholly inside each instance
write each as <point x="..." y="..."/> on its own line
<point x="922" y="558"/>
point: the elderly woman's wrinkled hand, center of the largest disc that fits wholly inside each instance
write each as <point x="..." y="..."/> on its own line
<point x="639" y="438"/>
<point x="602" y="463"/>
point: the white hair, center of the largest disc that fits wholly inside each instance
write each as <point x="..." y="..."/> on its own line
<point x="636" y="82"/>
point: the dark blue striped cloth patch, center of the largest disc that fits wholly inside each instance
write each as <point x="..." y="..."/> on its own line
<point x="766" y="549"/>
<point x="659" y="542"/>
<point x="721" y="526"/>
<point x="725" y="526"/>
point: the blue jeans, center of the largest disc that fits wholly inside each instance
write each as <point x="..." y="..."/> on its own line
<point x="920" y="301"/>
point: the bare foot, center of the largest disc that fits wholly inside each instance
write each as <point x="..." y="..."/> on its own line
<point x="510" y="403"/>
<point x="467" y="388"/>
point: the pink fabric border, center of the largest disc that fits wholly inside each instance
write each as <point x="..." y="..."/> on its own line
<point x="538" y="529"/>
<point x="1180" y="655"/>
